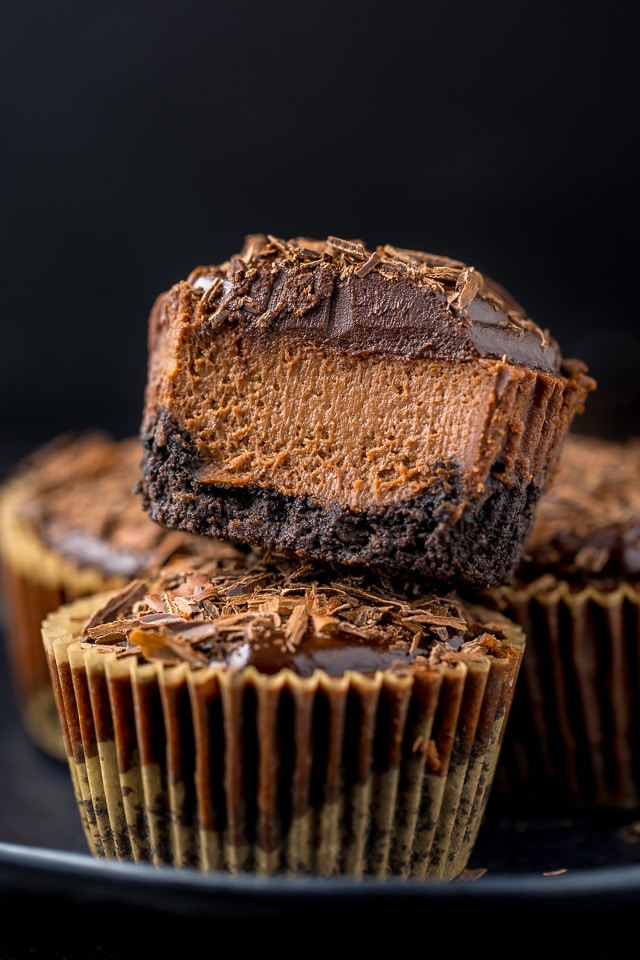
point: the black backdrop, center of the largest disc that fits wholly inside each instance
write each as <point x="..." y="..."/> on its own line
<point x="142" y="138"/>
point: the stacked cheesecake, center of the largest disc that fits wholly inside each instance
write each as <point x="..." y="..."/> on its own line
<point x="374" y="429"/>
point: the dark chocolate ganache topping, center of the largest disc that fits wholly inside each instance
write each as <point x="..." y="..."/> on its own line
<point x="278" y="613"/>
<point x="587" y="527"/>
<point x="388" y="300"/>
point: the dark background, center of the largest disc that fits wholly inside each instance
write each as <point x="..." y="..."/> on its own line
<point x="140" y="139"/>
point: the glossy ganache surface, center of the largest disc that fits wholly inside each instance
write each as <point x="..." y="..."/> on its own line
<point x="389" y="300"/>
<point x="273" y="613"/>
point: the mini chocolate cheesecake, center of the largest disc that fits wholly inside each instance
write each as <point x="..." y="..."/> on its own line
<point x="282" y="717"/>
<point x="77" y="496"/>
<point x="587" y="528"/>
<point x="575" y="737"/>
<point x="71" y="525"/>
<point x="390" y="409"/>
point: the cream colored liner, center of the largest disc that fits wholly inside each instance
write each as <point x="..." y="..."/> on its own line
<point x="36" y="581"/>
<point x="291" y="775"/>
<point x="57" y="641"/>
<point x="483" y="761"/>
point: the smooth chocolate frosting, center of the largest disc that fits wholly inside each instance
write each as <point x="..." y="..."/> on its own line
<point x="391" y="301"/>
<point x="587" y="527"/>
<point x="277" y="613"/>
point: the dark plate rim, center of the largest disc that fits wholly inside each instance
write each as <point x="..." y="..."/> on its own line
<point x="78" y="876"/>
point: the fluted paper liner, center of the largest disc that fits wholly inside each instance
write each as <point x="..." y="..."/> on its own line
<point x="35" y="581"/>
<point x="574" y="739"/>
<point x="385" y="774"/>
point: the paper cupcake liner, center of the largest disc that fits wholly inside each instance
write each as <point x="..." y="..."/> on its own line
<point x="382" y="775"/>
<point x="574" y="737"/>
<point x="35" y="581"/>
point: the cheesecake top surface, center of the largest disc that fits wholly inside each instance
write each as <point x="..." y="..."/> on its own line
<point x="388" y="300"/>
<point x="77" y="493"/>
<point x="280" y="613"/>
<point x="587" y="527"/>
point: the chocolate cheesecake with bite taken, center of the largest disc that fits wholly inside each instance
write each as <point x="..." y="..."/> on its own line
<point x="388" y="409"/>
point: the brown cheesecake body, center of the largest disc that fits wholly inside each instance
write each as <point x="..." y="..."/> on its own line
<point x="389" y="409"/>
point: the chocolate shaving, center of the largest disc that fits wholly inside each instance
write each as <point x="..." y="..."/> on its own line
<point x="172" y="605"/>
<point x="432" y="260"/>
<point x="296" y="624"/>
<point x="278" y="244"/>
<point x="112" y="632"/>
<point x="265" y="319"/>
<point x="115" y="648"/>
<point x="468" y="285"/>
<point x="249" y="305"/>
<point x="165" y="647"/>
<point x="367" y="267"/>
<point x="391" y="268"/>
<point x="352" y="248"/>
<point x="254" y="245"/>
<point x="118" y="604"/>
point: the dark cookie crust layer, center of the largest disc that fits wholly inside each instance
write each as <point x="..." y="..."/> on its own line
<point x="417" y="538"/>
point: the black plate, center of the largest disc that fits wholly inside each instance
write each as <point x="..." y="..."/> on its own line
<point x="568" y="879"/>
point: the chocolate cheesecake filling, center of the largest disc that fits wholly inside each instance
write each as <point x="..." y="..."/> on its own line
<point x="294" y="417"/>
<point x="415" y="537"/>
